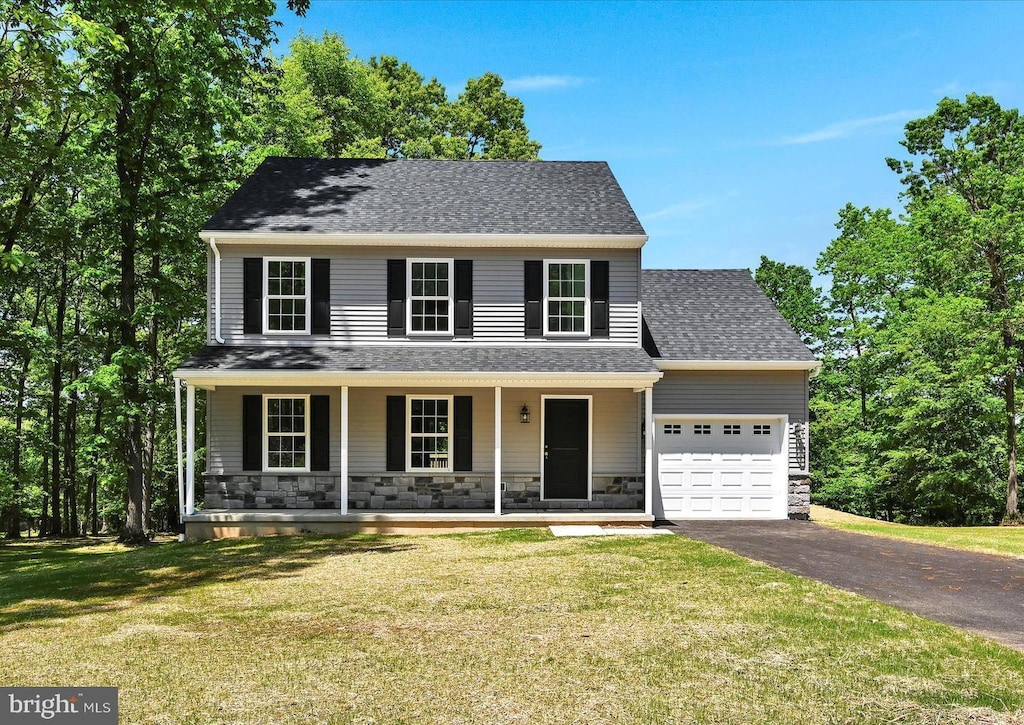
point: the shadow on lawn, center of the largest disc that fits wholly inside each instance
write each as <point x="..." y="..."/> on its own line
<point x="47" y="580"/>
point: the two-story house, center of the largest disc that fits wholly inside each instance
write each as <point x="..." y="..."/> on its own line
<point x="397" y="344"/>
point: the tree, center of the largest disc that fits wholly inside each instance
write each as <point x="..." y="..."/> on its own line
<point x="790" y="288"/>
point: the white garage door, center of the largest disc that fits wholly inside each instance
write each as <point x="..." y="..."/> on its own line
<point x="717" y="468"/>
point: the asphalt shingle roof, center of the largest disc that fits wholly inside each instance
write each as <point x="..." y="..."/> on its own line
<point x="409" y="196"/>
<point x="424" y="359"/>
<point x="714" y="314"/>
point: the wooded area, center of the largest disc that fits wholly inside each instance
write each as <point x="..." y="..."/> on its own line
<point x="124" y="127"/>
<point x="915" y="415"/>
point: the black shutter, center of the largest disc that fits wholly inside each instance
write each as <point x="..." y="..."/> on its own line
<point x="252" y="294"/>
<point x="599" y="299"/>
<point x="463" y="297"/>
<point x="319" y="432"/>
<point x="396" y="433"/>
<point x="396" y="300"/>
<point x="252" y="432"/>
<point x="534" y="296"/>
<point x="320" y="294"/>
<point x="463" y="452"/>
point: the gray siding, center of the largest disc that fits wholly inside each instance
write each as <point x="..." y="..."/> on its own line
<point x="359" y="286"/>
<point x="616" y="429"/>
<point x="688" y="392"/>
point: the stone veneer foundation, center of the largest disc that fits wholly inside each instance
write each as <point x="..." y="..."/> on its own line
<point x="799" y="496"/>
<point x="406" y="491"/>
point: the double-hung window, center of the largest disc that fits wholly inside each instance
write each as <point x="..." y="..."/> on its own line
<point x="566" y="297"/>
<point x="286" y="303"/>
<point x="286" y="433"/>
<point x="429" y="433"/>
<point x="430" y="296"/>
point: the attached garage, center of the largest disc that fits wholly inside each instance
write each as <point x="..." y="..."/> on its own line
<point x="727" y="467"/>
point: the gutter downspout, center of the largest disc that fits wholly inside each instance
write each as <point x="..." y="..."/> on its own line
<point x="216" y="291"/>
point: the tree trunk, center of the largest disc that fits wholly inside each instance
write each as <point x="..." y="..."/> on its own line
<point x="70" y="457"/>
<point x="56" y="388"/>
<point x="1010" y="393"/>
<point x="94" y="477"/>
<point x="13" y="513"/>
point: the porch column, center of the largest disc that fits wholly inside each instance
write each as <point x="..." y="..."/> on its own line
<point x="343" y="484"/>
<point x="177" y="436"/>
<point x="648" y="451"/>
<point x="497" y="451"/>
<point x="190" y="449"/>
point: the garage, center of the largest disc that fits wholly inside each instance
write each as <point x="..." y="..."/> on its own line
<point x="732" y="467"/>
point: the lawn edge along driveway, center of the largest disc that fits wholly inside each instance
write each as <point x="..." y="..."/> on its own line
<point x="981" y="593"/>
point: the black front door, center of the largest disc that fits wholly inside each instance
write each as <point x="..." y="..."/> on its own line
<point x="566" y="448"/>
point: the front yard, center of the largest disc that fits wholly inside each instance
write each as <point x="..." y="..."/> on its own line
<point x="509" y="627"/>
<point x="1001" y="540"/>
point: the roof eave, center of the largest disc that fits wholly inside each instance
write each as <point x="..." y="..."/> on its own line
<point x="665" y="364"/>
<point x="604" y="241"/>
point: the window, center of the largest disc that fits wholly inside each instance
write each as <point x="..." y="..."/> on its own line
<point x="702" y="429"/>
<point x="429" y="434"/>
<point x="566" y="296"/>
<point x="673" y="429"/>
<point x="286" y="306"/>
<point x="731" y="429"/>
<point x="286" y="433"/>
<point x="762" y="429"/>
<point x="430" y="296"/>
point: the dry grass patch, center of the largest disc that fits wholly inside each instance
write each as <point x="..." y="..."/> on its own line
<point x="1000" y="540"/>
<point x="506" y="627"/>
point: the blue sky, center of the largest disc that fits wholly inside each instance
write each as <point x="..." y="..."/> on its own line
<point x="735" y="129"/>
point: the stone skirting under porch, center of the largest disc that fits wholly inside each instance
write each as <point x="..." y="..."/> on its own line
<point x="407" y="491"/>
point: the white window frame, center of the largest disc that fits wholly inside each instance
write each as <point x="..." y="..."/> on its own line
<point x="408" y="433"/>
<point x="266" y="295"/>
<point x="439" y="298"/>
<point x="586" y="299"/>
<point x="266" y="433"/>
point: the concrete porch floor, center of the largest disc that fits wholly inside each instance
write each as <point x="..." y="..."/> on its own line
<point x="227" y="523"/>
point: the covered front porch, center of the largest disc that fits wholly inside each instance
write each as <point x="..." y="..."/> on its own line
<point x="397" y="450"/>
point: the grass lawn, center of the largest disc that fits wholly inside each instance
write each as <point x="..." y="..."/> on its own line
<point x="1004" y="540"/>
<point x="506" y="627"/>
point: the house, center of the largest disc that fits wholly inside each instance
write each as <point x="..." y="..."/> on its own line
<point x="398" y="344"/>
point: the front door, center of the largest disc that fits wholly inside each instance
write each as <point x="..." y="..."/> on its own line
<point x="566" y="448"/>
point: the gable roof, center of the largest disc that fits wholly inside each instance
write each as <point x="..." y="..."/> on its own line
<point x="428" y="196"/>
<point x="714" y="315"/>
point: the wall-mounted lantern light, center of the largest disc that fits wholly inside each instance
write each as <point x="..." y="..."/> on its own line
<point x="524" y="414"/>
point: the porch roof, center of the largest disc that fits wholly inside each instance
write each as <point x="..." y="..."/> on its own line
<point x="387" y="364"/>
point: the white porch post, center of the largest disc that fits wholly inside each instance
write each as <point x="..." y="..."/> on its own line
<point x="497" y="450"/>
<point x="177" y="436"/>
<point x="190" y="449"/>
<point x="648" y="451"/>
<point x="343" y="483"/>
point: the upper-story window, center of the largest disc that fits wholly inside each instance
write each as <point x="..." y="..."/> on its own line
<point x="430" y="296"/>
<point x="286" y="309"/>
<point x="566" y="297"/>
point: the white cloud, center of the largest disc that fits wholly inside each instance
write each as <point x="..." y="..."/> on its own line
<point x="953" y="89"/>
<point x="688" y="207"/>
<point x="542" y="83"/>
<point x="842" y="129"/>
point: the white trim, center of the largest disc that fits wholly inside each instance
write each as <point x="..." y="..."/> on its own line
<point x="212" y="378"/>
<point x="216" y="292"/>
<point x="664" y="364"/>
<point x="266" y="434"/>
<point x="343" y="483"/>
<point x="181" y="463"/>
<point x="409" y="297"/>
<point x="408" y="433"/>
<point x="581" y="241"/>
<point x="590" y="443"/>
<point x="307" y="296"/>
<point x="649" y="434"/>
<point x="190" y="449"/>
<point x="497" y="450"/>
<point x="586" y="299"/>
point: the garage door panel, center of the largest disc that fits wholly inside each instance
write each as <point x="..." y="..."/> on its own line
<point x="730" y="470"/>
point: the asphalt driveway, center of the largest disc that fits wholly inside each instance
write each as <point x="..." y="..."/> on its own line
<point x="978" y="592"/>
